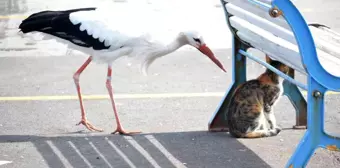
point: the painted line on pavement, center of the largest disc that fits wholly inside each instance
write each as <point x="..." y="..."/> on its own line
<point x="120" y="153"/>
<point x="5" y="17"/>
<point x="126" y="96"/>
<point x="142" y="151"/>
<point x="3" y="162"/>
<point x="165" y="152"/>
<point x="100" y="154"/>
<point x="116" y="96"/>
<point x="59" y="154"/>
<point x="81" y="155"/>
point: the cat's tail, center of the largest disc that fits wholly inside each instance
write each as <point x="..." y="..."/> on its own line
<point x="258" y="133"/>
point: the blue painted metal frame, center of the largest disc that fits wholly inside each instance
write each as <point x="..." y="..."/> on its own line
<point x="306" y="45"/>
<point x="218" y="120"/>
<point x="298" y="101"/>
<point x="258" y="60"/>
<point x="319" y="81"/>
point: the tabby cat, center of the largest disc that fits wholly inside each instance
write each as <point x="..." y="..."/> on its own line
<point x="250" y="113"/>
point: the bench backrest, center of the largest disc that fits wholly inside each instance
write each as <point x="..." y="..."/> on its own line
<point x="252" y="23"/>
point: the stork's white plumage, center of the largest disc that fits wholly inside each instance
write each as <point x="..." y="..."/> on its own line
<point x="89" y="30"/>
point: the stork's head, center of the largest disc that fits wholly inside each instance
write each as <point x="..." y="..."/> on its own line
<point x="196" y="40"/>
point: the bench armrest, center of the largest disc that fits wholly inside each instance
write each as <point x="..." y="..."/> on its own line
<point x="306" y="45"/>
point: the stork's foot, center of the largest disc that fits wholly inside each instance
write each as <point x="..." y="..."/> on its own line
<point x="89" y="126"/>
<point x="121" y="131"/>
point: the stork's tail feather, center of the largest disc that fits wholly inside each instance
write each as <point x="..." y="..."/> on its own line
<point x="41" y="20"/>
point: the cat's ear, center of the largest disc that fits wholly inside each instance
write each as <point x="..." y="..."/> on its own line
<point x="268" y="59"/>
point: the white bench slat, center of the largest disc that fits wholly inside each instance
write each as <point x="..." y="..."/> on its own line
<point x="279" y="48"/>
<point x="334" y="36"/>
<point x="326" y="41"/>
<point x="323" y="39"/>
<point x="266" y="1"/>
<point x="265" y="24"/>
<point x="256" y="10"/>
<point x="267" y="42"/>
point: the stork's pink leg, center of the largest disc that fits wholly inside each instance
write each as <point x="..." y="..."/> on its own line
<point x="119" y="129"/>
<point x="76" y="81"/>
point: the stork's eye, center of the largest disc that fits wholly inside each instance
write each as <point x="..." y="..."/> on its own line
<point x="197" y="40"/>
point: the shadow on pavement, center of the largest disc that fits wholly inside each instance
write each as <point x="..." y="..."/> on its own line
<point x="182" y="149"/>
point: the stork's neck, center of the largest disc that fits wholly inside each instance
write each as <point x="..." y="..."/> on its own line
<point x="162" y="51"/>
<point x="173" y="46"/>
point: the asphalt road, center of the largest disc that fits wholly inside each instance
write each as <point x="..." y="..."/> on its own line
<point x="171" y="106"/>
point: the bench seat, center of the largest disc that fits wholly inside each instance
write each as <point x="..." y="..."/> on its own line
<point x="268" y="35"/>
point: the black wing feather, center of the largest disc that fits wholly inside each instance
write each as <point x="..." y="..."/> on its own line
<point x="57" y="23"/>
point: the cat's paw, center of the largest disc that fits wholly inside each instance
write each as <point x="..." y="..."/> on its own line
<point x="278" y="129"/>
<point x="274" y="132"/>
<point x="267" y="108"/>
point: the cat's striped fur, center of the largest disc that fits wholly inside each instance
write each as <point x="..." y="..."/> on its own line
<point x="250" y="113"/>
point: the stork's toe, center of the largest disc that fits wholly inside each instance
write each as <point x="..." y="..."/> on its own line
<point x="89" y="126"/>
<point x="121" y="131"/>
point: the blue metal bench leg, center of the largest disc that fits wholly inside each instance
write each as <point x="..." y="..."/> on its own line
<point x="297" y="100"/>
<point x="303" y="152"/>
<point x="218" y="121"/>
<point x="315" y="136"/>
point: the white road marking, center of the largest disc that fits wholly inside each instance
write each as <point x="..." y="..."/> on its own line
<point x="142" y="151"/>
<point x="59" y="154"/>
<point x="166" y="153"/>
<point x="3" y="162"/>
<point x="120" y="153"/>
<point x="81" y="155"/>
<point x="128" y="96"/>
<point x="116" y="96"/>
<point x="100" y="154"/>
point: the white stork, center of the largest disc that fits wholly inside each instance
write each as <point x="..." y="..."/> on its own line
<point x="85" y="30"/>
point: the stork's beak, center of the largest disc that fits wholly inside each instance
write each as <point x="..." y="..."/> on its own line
<point x="206" y="51"/>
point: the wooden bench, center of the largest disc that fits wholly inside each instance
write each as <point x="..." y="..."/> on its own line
<point x="277" y="28"/>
